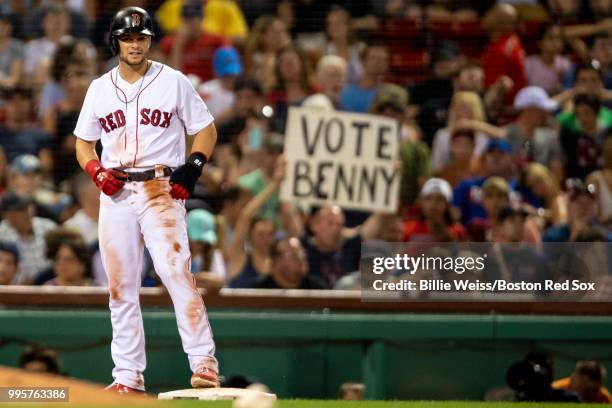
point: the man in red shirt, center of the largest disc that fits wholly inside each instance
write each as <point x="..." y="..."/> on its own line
<point x="190" y="50"/>
<point x="504" y="54"/>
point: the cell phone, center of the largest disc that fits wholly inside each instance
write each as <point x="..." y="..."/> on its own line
<point x="255" y="138"/>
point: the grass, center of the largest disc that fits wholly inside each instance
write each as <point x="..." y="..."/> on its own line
<point x="339" y="404"/>
<point x="378" y="404"/>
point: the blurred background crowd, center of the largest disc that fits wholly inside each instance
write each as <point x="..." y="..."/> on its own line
<point x="505" y="109"/>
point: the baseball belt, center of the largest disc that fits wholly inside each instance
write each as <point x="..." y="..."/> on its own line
<point x="147" y="175"/>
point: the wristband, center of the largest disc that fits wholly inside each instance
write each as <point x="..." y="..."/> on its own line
<point x="198" y="160"/>
<point x="93" y="167"/>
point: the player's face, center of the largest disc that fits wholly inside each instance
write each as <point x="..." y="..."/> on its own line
<point x="134" y="49"/>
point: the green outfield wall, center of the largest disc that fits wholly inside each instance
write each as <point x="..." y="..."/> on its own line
<point x="309" y="354"/>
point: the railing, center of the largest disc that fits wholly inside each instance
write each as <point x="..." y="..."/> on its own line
<point x="97" y="297"/>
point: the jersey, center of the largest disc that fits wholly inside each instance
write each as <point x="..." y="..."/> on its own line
<point x="143" y="124"/>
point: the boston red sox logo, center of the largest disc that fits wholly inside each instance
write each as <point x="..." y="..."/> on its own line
<point x="135" y="20"/>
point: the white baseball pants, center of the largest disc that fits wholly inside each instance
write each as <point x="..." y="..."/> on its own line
<point x="144" y="213"/>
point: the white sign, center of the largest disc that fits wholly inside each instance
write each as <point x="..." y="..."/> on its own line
<point x="348" y="159"/>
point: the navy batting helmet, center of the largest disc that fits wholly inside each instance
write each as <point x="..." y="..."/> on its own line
<point x="129" y="20"/>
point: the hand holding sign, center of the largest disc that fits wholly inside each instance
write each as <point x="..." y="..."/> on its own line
<point x="280" y="169"/>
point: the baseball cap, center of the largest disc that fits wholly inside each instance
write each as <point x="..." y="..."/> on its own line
<point x="499" y="144"/>
<point x="11" y="201"/>
<point x="25" y="164"/>
<point x="201" y="226"/>
<point x="437" y="186"/>
<point x="534" y="97"/>
<point x="226" y="61"/>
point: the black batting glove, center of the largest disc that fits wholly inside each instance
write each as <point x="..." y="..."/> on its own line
<point x="185" y="177"/>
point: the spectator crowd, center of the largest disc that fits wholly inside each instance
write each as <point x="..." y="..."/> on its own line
<point x="504" y="106"/>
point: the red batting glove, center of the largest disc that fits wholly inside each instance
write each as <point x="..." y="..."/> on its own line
<point x="110" y="181"/>
<point x="179" y="192"/>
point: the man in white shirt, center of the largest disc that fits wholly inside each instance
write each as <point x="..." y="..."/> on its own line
<point x="20" y="227"/>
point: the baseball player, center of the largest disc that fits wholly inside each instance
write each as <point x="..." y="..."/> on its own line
<point x="140" y="111"/>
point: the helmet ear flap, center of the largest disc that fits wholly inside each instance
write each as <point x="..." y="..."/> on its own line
<point x="114" y="45"/>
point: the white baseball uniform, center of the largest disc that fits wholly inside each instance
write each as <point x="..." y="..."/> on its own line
<point x="142" y="126"/>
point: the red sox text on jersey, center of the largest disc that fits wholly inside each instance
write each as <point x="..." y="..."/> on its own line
<point x="154" y="117"/>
